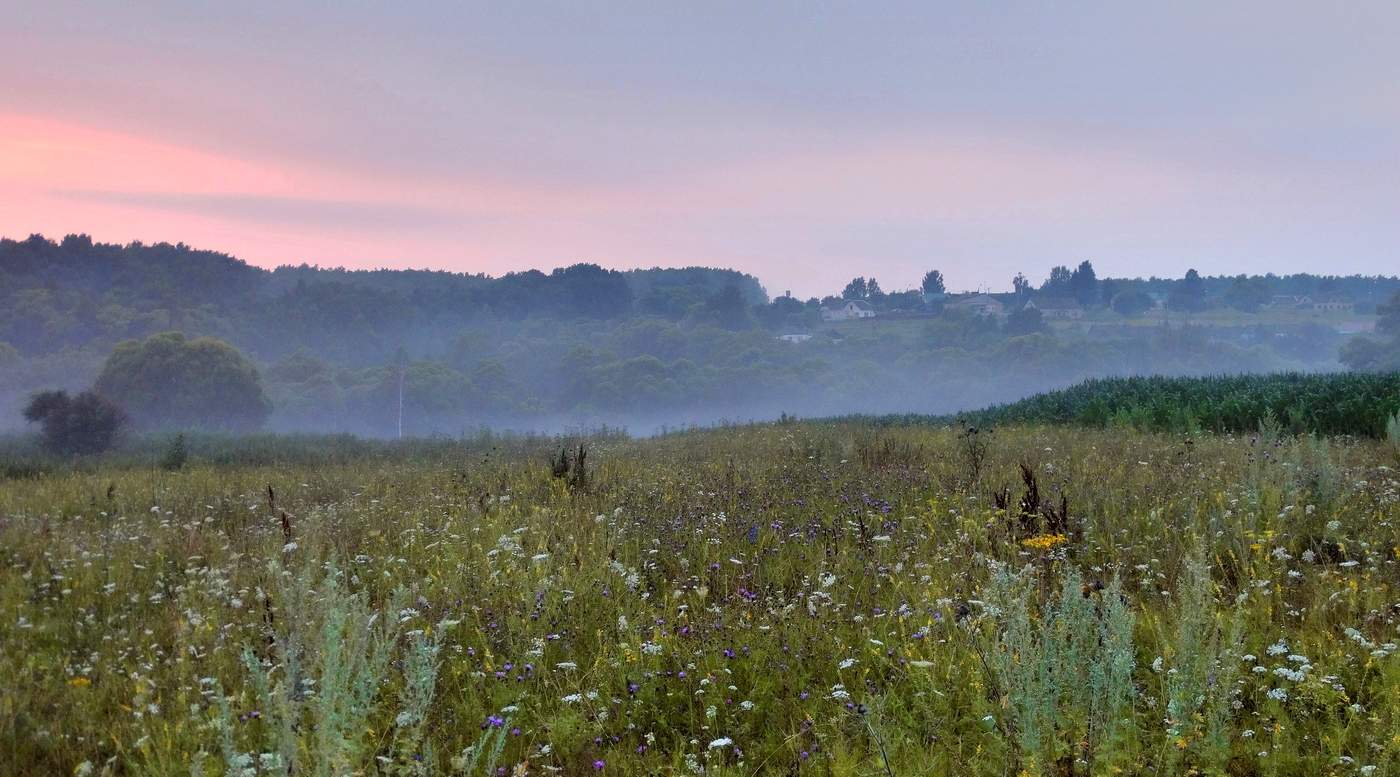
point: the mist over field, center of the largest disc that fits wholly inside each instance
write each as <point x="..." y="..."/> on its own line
<point x="328" y="350"/>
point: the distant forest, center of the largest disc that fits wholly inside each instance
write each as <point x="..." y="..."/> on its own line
<point x="644" y="348"/>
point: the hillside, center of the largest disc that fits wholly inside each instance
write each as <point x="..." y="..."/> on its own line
<point x="648" y="348"/>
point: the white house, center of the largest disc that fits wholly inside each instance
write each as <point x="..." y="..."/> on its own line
<point x="795" y="338"/>
<point x="847" y="310"/>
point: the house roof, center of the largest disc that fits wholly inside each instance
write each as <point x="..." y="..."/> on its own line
<point x="859" y="303"/>
<point x="974" y="298"/>
<point x="1057" y="303"/>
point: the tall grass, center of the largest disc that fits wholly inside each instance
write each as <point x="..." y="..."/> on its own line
<point x="791" y="598"/>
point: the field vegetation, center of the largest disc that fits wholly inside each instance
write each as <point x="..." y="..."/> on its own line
<point x="1358" y="404"/>
<point x="792" y="598"/>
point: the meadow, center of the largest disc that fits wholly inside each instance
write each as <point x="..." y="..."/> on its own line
<point x="790" y="598"/>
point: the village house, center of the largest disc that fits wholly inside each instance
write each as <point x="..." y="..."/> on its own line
<point x="978" y="304"/>
<point x="848" y="309"/>
<point x="1285" y="301"/>
<point x="1057" y="309"/>
<point x="1333" y="305"/>
<point x="795" y="338"/>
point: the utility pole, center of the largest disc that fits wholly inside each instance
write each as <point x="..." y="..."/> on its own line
<point x="401" y="358"/>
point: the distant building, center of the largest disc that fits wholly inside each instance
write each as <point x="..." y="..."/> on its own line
<point x="1334" y="306"/>
<point x="978" y="304"/>
<point x="934" y="297"/>
<point x="1058" y="309"/>
<point x="1286" y="301"/>
<point x="848" y="309"/>
<point x="795" y="338"/>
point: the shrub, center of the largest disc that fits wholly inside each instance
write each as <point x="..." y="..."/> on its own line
<point x="175" y="454"/>
<point x="1066" y="676"/>
<point x="74" y="425"/>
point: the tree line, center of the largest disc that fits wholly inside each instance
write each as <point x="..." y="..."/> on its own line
<point x="304" y="348"/>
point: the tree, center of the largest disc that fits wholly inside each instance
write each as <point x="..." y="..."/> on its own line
<point x="168" y="381"/>
<point x="1026" y="321"/>
<point x="1247" y="294"/>
<point x="1021" y="286"/>
<point x="727" y="308"/>
<point x="933" y="283"/>
<point x="1058" y="284"/>
<point x="856" y="289"/>
<point x="1189" y="295"/>
<point x="1131" y="304"/>
<point x="1377" y="354"/>
<point x="1108" y="289"/>
<point x="86" y="423"/>
<point x="1084" y="284"/>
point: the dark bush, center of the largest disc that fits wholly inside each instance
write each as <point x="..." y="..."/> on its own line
<point x="86" y="423"/>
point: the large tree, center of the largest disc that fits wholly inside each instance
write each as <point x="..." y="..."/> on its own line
<point x="933" y="283"/>
<point x="1247" y="294"/>
<point x="1189" y="295"/>
<point x="171" y="382"/>
<point x="1131" y="303"/>
<point x="1058" y="284"/>
<point x="1084" y="284"/>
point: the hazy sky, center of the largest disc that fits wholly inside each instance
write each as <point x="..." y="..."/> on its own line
<point x="804" y="142"/>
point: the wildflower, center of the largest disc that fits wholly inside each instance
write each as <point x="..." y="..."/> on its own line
<point x="599" y="764"/>
<point x="80" y="682"/>
<point x="1044" y="541"/>
<point x="721" y="743"/>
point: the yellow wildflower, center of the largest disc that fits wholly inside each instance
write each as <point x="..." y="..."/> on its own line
<point x="1045" y="541"/>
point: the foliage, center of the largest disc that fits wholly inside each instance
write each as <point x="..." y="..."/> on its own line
<point x="785" y="598"/>
<point x="169" y="381"/>
<point x="1328" y="404"/>
<point x="176" y="454"/>
<point x="1377" y="354"/>
<point x="1084" y="284"/>
<point x="933" y="283"/>
<point x="1131" y="304"/>
<point x="585" y="344"/>
<point x="82" y="424"/>
<point x="1065" y="672"/>
<point x="1190" y="295"/>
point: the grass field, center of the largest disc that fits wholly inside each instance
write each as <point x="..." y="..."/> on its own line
<point x="778" y="599"/>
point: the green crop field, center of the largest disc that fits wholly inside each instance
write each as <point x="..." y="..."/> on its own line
<point x="1354" y="404"/>
<point x="792" y="598"/>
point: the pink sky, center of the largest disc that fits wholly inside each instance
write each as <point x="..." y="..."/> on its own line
<point x="370" y="141"/>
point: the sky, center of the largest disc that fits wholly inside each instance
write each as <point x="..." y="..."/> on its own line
<point x="805" y="143"/>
